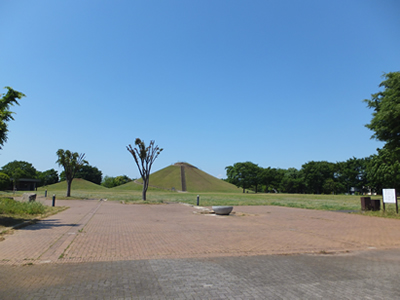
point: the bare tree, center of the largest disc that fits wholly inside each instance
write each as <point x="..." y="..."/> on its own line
<point x="144" y="158"/>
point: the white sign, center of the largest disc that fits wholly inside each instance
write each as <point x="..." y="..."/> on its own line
<point x="389" y="195"/>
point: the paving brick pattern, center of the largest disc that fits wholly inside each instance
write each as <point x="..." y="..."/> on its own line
<point x="106" y="250"/>
<point x="110" y="231"/>
<point x="369" y="275"/>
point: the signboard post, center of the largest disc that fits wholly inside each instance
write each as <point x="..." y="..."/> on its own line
<point x="389" y="196"/>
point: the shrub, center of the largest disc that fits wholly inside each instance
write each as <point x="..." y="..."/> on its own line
<point x="5" y="181"/>
<point x="10" y="206"/>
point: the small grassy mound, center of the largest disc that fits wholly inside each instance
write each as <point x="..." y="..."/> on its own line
<point x="77" y="184"/>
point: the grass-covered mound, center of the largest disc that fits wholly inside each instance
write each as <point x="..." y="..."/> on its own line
<point x="131" y="186"/>
<point x="77" y="184"/>
<point x="196" y="180"/>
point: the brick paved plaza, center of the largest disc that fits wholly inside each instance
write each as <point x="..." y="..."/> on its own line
<point x="107" y="250"/>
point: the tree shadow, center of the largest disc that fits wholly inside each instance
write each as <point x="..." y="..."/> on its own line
<point x="8" y="221"/>
<point x="48" y="224"/>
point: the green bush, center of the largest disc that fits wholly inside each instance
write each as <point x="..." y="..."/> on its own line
<point x="4" y="181"/>
<point x="10" y="206"/>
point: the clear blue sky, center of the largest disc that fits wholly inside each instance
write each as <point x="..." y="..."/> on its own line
<point x="278" y="83"/>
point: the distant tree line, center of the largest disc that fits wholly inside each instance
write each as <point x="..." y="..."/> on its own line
<point x="314" y="177"/>
<point x="17" y="170"/>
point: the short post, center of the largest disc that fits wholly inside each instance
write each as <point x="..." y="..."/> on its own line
<point x="45" y="193"/>
<point x="54" y="200"/>
<point x="198" y="200"/>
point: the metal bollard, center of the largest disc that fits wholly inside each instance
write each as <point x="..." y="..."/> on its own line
<point x="45" y="193"/>
<point x="198" y="200"/>
<point x="54" y="200"/>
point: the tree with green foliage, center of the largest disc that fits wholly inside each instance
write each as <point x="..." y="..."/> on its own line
<point x="47" y="177"/>
<point x="244" y="175"/>
<point x="315" y="174"/>
<point x="110" y="182"/>
<point x="292" y="181"/>
<point x="7" y="100"/>
<point x="19" y="169"/>
<point x="72" y="162"/>
<point x="383" y="170"/>
<point x="352" y="173"/>
<point x="25" y="169"/>
<point x="386" y="116"/>
<point x="5" y="181"/>
<point x="271" y="179"/>
<point x="90" y="173"/>
<point x="144" y="158"/>
<point x="122" y="179"/>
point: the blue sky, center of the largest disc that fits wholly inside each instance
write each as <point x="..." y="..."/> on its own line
<point x="278" y="83"/>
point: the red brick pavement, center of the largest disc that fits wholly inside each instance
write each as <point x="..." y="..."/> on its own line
<point x="106" y="231"/>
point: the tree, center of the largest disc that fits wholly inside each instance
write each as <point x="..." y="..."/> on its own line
<point x="90" y="173"/>
<point x="5" y="114"/>
<point x="386" y="116"/>
<point x="23" y="168"/>
<point x="244" y="175"/>
<point x="383" y="170"/>
<point x="120" y="180"/>
<point x="272" y="179"/>
<point x="71" y="162"/>
<point x="315" y="174"/>
<point x="110" y="182"/>
<point x="352" y="173"/>
<point x="47" y="177"/>
<point x="292" y="181"/>
<point x="144" y="158"/>
<point x="5" y="181"/>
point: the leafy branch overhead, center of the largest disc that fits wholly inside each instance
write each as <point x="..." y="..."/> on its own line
<point x="5" y="114"/>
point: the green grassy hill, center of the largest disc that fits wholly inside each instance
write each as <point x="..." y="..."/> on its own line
<point x="77" y="184"/>
<point x="196" y="180"/>
<point x="131" y="186"/>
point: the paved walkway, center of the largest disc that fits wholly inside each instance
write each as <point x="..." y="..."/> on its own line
<point x="107" y="250"/>
<point x="93" y="230"/>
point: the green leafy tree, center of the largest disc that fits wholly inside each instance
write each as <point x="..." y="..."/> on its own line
<point x="352" y="173"/>
<point x="110" y="182"/>
<point x="5" y="181"/>
<point x="292" y="181"/>
<point x="383" y="170"/>
<point x="271" y="179"/>
<point x="244" y="175"/>
<point x="7" y="100"/>
<point x="120" y="180"/>
<point x="90" y="173"/>
<point x="386" y="116"/>
<point x="47" y="177"/>
<point x="315" y="174"/>
<point x="144" y="158"/>
<point x="72" y="162"/>
<point x="23" y="168"/>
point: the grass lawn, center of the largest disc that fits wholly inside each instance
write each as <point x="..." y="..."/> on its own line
<point x="131" y="193"/>
<point x="14" y="213"/>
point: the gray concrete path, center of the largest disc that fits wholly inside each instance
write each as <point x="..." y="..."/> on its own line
<point x="366" y="275"/>
<point x="107" y="250"/>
